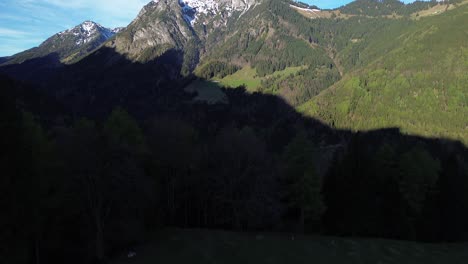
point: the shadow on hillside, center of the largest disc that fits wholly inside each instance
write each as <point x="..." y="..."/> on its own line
<point x="3" y="59"/>
<point x="362" y="171"/>
<point x="37" y="70"/>
<point x="103" y="80"/>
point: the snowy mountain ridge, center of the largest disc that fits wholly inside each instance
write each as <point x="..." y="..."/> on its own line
<point x="193" y="8"/>
<point x="88" y="31"/>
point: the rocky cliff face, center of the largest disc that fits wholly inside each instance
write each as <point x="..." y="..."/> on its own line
<point x="159" y="26"/>
<point x="176" y="24"/>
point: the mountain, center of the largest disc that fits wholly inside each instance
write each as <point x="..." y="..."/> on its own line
<point x="240" y="115"/>
<point x="164" y="41"/>
<point x="182" y="25"/>
<point x="70" y="45"/>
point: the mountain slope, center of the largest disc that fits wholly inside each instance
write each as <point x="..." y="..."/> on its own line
<point x="412" y="77"/>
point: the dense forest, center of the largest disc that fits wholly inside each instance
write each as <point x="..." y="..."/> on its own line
<point x="95" y="187"/>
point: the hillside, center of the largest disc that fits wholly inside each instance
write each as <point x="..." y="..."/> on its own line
<point x="410" y="76"/>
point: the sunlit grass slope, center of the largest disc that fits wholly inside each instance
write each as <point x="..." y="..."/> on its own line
<point x="247" y="76"/>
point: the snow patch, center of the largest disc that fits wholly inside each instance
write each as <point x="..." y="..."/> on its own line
<point x="306" y="9"/>
<point x="193" y="8"/>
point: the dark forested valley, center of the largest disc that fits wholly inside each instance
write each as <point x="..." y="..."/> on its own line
<point x="94" y="187"/>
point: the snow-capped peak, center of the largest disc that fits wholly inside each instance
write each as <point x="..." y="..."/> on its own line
<point x="89" y="25"/>
<point x="201" y="6"/>
<point x="88" y="31"/>
<point x="193" y="8"/>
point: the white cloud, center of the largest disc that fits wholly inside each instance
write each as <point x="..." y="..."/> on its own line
<point x="115" y="5"/>
<point x="111" y="13"/>
<point x="10" y="17"/>
<point x="65" y="4"/>
<point x="118" y="12"/>
<point x="12" y="33"/>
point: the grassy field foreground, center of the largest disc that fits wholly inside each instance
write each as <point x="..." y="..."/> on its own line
<point x="204" y="246"/>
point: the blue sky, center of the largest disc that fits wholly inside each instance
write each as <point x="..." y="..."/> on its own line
<point x="26" y="23"/>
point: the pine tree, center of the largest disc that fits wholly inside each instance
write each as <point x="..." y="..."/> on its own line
<point x="304" y="185"/>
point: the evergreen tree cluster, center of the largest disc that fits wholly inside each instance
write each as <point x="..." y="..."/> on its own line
<point x="216" y="69"/>
<point x="302" y="4"/>
<point x="299" y="87"/>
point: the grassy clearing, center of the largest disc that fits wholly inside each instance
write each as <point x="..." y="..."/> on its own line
<point x="203" y="246"/>
<point x="248" y="76"/>
<point x="245" y="76"/>
<point x="207" y="91"/>
<point x="284" y="73"/>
